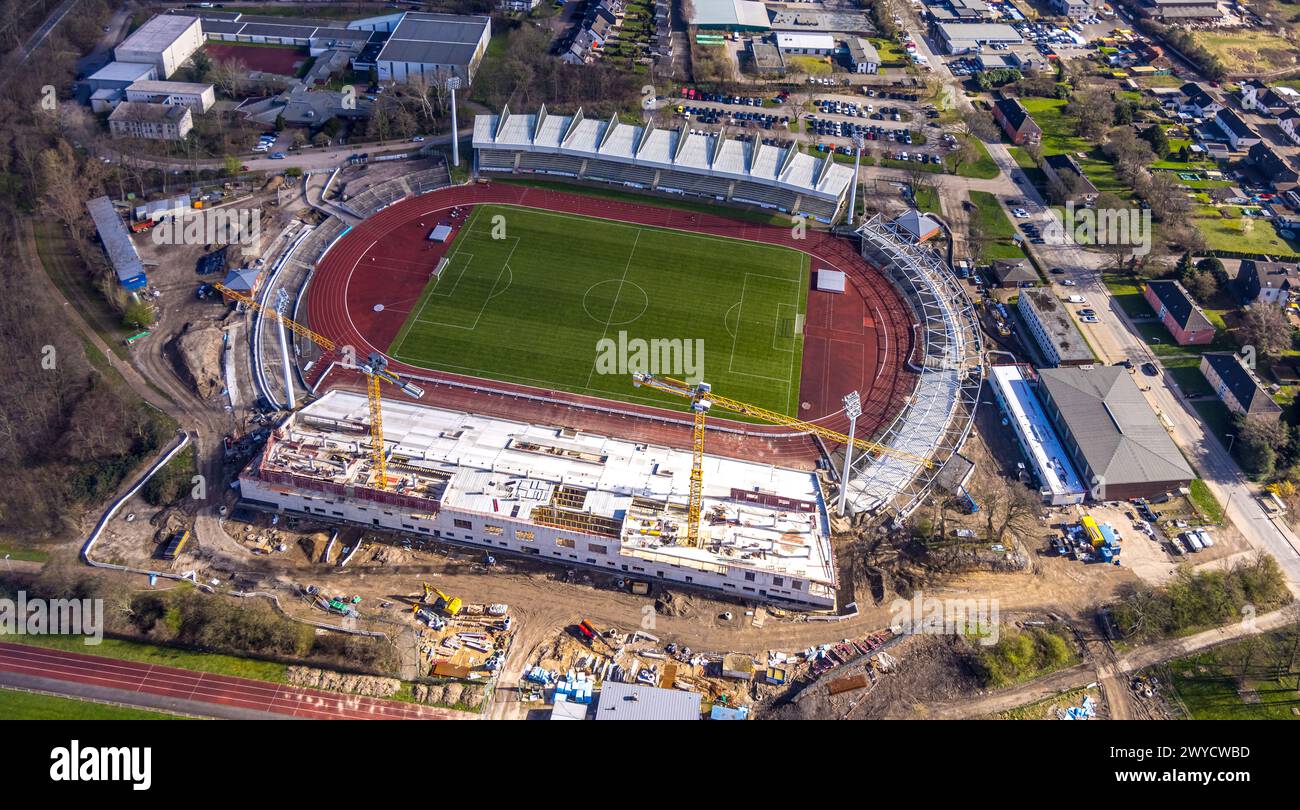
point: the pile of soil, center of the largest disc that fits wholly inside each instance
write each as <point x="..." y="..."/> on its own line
<point x="673" y="604"/>
<point x="197" y="354"/>
<point x="367" y="685"/>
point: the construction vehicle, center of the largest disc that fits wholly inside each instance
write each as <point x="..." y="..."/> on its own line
<point x="450" y="605"/>
<point x="376" y="369"/>
<point x="703" y="400"/>
<point x="175" y="544"/>
<point x="591" y="635"/>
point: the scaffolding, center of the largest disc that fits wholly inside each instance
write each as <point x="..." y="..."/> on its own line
<point x="940" y="412"/>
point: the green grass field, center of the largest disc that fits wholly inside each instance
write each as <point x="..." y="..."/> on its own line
<point x="29" y="706"/>
<point x="533" y="307"/>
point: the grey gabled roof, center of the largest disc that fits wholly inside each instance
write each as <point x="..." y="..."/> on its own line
<point x="1237" y="378"/>
<point x="629" y="701"/>
<point x="1114" y="428"/>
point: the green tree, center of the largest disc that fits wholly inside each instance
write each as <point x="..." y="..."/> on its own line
<point x="1155" y="135"/>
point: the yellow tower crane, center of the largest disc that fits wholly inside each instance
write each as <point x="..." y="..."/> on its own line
<point x="376" y="369"/>
<point x="703" y="399"/>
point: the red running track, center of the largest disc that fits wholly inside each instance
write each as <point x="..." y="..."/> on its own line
<point x="291" y="701"/>
<point x="859" y="340"/>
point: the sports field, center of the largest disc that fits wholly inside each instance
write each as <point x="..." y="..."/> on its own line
<point x="556" y="301"/>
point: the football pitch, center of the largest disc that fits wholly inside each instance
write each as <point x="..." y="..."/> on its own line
<point x="576" y="304"/>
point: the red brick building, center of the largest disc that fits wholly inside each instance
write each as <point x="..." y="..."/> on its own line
<point x="1014" y="119"/>
<point x="1179" y="313"/>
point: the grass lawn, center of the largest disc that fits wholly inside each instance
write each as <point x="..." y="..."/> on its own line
<point x="164" y="656"/>
<point x="1251" y="680"/>
<point x="1247" y="51"/>
<point x="1031" y="169"/>
<point x="982" y="168"/>
<point x="1242" y="233"/>
<point x="1205" y="502"/>
<point x="1059" y="138"/>
<point x="534" y="307"/>
<point x="24" y="554"/>
<point x="927" y="199"/>
<point x="28" y="706"/>
<point x="1127" y="292"/>
<point x="810" y="65"/>
<point x="1186" y="371"/>
<point x="69" y="275"/>
<point x="996" y="227"/>
<point x="1216" y="418"/>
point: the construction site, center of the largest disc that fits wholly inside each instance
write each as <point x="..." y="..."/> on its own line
<point x="578" y="498"/>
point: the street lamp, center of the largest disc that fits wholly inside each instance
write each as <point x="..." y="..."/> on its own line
<point x="853" y="409"/>
<point x="453" y="84"/>
<point x="1231" y="437"/>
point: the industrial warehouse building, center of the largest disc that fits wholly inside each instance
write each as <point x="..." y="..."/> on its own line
<point x="315" y="35"/>
<point x="397" y="46"/>
<point x="563" y="496"/>
<point x="1059" y="483"/>
<point x="665" y="160"/>
<point x="121" y="75"/>
<point x="433" y="46"/>
<point x="959" y="38"/>
<point x="117" y="243"/>
<point x="729" y="15"/>
<point x="1114" y="438"/>
<point x="165" y="42"/>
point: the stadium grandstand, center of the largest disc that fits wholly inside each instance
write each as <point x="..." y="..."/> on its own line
<point x="938" y="416"/>
<point x="670" y="161"/>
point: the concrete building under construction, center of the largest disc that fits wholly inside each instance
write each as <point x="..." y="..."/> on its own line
<point x="565" y="496"/>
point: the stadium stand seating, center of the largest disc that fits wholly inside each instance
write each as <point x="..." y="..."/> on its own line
<point x="675" y="161"/>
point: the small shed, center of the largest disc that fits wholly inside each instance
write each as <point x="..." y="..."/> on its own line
<point x="567" y="710"/>
<point x="246" y="280"/>
<point x="831" y="281"/>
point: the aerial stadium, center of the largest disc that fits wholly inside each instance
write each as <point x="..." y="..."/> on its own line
<point x="493" y="307"/>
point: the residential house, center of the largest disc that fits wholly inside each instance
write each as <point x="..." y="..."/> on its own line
<point x="1267" y="282"/>
<point x="1016" y="122"/>
<point x="1273" y="168"/>
<point x="1261" y="99"/>
<point x="1068" y="180"/>
<point x="1197" y="101"/>
<point x="1239" y="134"/>
<point x="1238" y="386"/>
<point x="1181" y="315"/>
<point x="1012" y="273"/>
<point x="1289" y="123"/>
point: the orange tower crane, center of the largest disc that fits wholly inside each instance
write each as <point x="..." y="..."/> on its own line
<point x="703" y="400"/>
<point x="376" y="370"/>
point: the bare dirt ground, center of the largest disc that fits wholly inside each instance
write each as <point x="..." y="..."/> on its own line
<point x="928" y="669"/>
